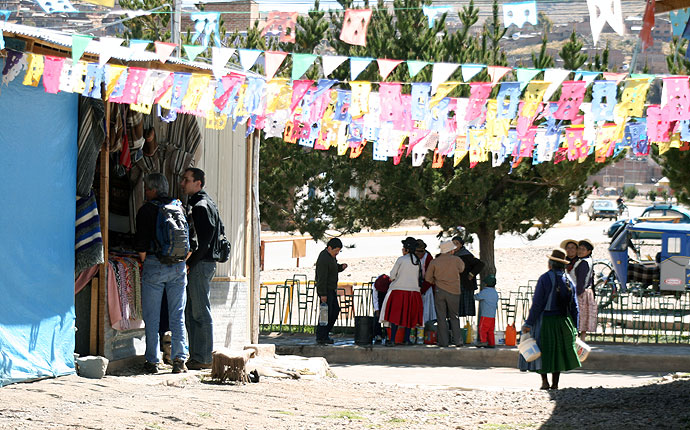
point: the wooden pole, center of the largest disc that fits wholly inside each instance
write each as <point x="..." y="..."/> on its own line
<point x="104" y="190"/>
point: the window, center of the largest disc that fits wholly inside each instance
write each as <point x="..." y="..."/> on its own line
<point x="674" y="245"/>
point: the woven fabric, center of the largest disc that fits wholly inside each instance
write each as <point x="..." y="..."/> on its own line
<point x="588" y="311"/>
<point x="467" y="306"/>
<point x="88" y="242"/>
<point x="557" y="344"/>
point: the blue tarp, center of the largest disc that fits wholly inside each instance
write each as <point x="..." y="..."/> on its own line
<point x="38" y="134"/>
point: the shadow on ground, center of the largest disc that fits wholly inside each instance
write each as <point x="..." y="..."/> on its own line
<point x="664" y="405"/>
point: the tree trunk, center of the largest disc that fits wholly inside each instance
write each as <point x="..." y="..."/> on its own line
<point x="486" y="237"/>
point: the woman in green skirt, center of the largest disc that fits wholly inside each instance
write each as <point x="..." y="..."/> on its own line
<point x="552" y="322"/>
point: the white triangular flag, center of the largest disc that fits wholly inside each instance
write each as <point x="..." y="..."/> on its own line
<point x="137" y="46"/>
<point x="555" y="77"/>
<point x="108" y="45"/>
<point x="357" y="66"/>
<point x="441" y="73"/>
<point x="220" y="57"/>
<point x="609" y="11"/>
<point x="331" y="62"/>
<point x="248" y="57"/>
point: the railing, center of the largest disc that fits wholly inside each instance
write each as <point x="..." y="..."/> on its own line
<point x="633" y="317"/>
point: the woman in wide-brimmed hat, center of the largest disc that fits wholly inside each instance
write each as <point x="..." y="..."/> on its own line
<point x="552" y="322"/>
<point x="583" y="276"/>
<point x="403" y="303"/>
<point x="570" y="247"/>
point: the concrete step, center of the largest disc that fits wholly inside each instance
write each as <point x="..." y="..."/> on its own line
<point x="604" y="357"/>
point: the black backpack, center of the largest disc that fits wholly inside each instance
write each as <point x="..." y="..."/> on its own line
<point x="563" y="292"/>
<point x="172" y="232"/>
<point x="221" y="247"/>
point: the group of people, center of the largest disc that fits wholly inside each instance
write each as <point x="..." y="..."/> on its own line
<point x="563" y="303"/>
<point x="420" y="288"/>
<point x="183" y="277"/>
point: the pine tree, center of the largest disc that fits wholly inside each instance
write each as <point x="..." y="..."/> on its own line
<point x="571" y="53"/>
<point x="542" y="60"/>
<point x="154" y="27"/>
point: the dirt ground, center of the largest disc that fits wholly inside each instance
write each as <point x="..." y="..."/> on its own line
<point x="165" y="401"/>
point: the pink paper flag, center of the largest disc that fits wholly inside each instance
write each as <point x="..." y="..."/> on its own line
<point x="165" y="86"/>
<point x="479" y="93"/>
<point x="229" y="83"/>
<point x="391" y="103"/>
<point x="496" y="73"/>
<point x="575" y="141"/>
<point x="386" y="67"/>
<point x="164" y="50"/>
<point x="299" y="90"/>
<point x="618" y="77"/>
<point x="273" y="61"/>
<point x="403" y="122"/>
<point x="51" y="73"/>
<point x="677" y="98"/>
<point x="572" y="95"/>
<point x="135" y="80"/>
<point x="658" y="125"/>
<point x="355" y="25"/>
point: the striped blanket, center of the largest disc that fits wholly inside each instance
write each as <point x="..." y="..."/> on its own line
<point x="88" y="241"/>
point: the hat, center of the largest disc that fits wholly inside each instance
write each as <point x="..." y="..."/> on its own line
<point x="586" y="243"/>
<point x="410" y="243"/>
<point x="558" y="256"/>
<point x="567" y="241"/>
<point x="459" y="239"/>
<point x="421" y="244"/>
<point x="490" y="280"/>
<point x="446" y="246"/>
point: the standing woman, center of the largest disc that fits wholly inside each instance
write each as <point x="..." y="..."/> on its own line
<point x="402" y="305"/>
<point x="570" y="246"/>
<point x="583" y="276"/>
<point x="427" y="291"/>
<point x="552" y="322"/>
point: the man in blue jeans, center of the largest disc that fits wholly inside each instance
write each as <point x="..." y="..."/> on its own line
<point x="202" y="214"/>
<point x="157" y="277"/>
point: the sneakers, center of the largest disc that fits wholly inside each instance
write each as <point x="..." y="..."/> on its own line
<point x="179" y="366"/>
<point x="197" y="365"/>
<point x="150" y="368"/>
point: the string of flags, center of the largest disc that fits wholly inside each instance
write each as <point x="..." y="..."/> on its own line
<point x="522" y="122"/>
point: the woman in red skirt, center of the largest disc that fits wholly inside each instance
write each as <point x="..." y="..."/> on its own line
<point x="403" y="303"/>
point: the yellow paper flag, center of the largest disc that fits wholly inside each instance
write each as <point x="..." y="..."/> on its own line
<point x="360" y="98"/>
<point x="632" y="99"/>
<point x="443" y="90"/>
<point x="534" y="95"/>
<point x="34" y="71"/>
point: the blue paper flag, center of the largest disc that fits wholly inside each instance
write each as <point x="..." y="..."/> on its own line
<point x="421" y="93"/>
<point x="524" y="76"/>
<point x="679" y="18"/>
<point x="470" y="70"/>
<point x="206" y="23"/>
<point x="603" y="110"/>
<point x="508" y="110"/>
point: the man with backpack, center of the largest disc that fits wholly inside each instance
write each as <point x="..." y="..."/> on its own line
<point x="205" y="226"/>
<point x="162" y="241"/>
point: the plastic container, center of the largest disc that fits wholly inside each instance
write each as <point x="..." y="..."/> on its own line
<point x="528" y="348"/>
<point x="430" y="337"/>
<point x="420" y="335"/>
<point x="413" y="336"/>
<point x="323" y="314"/>
<point x="499" y="337"/>
<point x="364" y="330"/>
<point x="510" y="335"/>
<point x="469" y="337"/>
<point x="583" y="349"/>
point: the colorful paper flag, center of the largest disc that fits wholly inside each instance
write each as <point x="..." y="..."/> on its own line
<point x="386" y="67"/>
<point x="108" y="45"/>
<point x="193" y="51"/>
<point x="273" y="61"/>
<point x="496" y="73"/>
<point x="519" y="13"/>
<point x="300" y="64"/>
<point x="248" y="57"/>
<point x="441" y="73"/>
<point x="220" y="57"/>
<point x="470" y="70"/>
<point x="525" y="76"/>
<point x="79" y="44"/>
<point x="164" y="50"/>
<point x="331" y="62"/>
<point x="555" y="77"/>
<point x="355" y="23"/>
<point x="415" y="67"/>
<point x="357" y="66"/>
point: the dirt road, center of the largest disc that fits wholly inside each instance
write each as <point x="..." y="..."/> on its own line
<point x="165" y="401"/>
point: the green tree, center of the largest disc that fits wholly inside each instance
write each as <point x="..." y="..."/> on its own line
<point x="542" y="60"/>
<point x="675" y="166"/>
<point x="571" y="53"/>
<point x="601" y="62"/>
<point x="676" y="62"/>
<point x="154" y="27"/>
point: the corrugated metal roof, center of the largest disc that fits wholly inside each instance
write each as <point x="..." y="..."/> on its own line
<point x="121" y="53"/>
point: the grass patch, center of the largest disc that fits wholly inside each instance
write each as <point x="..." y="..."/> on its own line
<point x="350" y="415"/>
<point x="205" y="414"/>
<point x="397" y="420"/>
<point x="285" y="413"/>
<point x="153" y="426"/>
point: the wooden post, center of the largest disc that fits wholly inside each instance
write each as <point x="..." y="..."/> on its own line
<point x="104" y="191"/>
<point x="93" y="317"/>
<point x="262" y="251"/>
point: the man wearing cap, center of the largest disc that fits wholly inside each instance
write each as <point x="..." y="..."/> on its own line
<point x="444" y="272"/>
<point x="552" y="322"/>
<point x="327" y="269"/>
<point x="583" y="277"/>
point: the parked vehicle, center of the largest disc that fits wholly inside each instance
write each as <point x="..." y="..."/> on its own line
<point x="602" y="209"/>
<point x="656" y="213"/>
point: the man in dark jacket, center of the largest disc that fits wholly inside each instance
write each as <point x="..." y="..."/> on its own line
<point x="202" y="214"/>
<point x="159" y="277"/>
<point x="468" y="278"/>
<point x="327" y="269"/>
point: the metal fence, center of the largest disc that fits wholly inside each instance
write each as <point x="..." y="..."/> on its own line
<point x="638" y="316"/>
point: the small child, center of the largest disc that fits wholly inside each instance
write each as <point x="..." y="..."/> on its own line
<point x="488" y="302"/>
